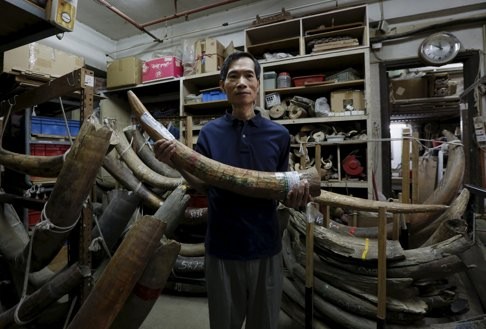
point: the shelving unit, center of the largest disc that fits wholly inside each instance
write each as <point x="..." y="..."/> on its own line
<point x="76" y="86"/>
<point x="294" y="36"/>
<point x="171" y="94"/>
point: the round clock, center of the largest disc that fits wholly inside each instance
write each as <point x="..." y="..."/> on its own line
<point x="439" y="48"/>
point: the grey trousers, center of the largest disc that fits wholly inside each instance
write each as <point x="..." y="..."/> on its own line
<point x="244" y="290"/>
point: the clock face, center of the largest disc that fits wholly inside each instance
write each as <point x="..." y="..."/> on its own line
<point x="439" y="48"/>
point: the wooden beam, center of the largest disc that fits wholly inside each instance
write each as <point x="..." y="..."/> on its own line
<point x="415" y="166"/>
<point x="406" y="166"/>
<point x="381" y="312"/>
<point x="65" y="85"/>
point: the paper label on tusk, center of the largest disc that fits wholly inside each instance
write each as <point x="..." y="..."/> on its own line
<point x="149" y="120"/>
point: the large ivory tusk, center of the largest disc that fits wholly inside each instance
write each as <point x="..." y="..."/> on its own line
<point x="335" y="199"/>
<point x="448" y="187"/>
<point x="146" y="154"/>
<point x="35" y="165"/>
<point x="140" y="169"/>
<point x="126" y="178"/>
<point x="251" y="183"/>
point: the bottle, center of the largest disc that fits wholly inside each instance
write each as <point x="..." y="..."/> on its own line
<point x="283" y="80"/>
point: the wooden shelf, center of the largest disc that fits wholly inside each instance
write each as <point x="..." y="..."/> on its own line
<point x="438" y="108"/>
<point x="206" y="105"/>
<point x="345" y="184"/>
<point x="322" y="119"/>
<point x="357" y="84"/>
<point x="344" y="142"/>
<point x="290" y="45"/>
<point x="356" y="33"/>
<point x="272" y="32"/>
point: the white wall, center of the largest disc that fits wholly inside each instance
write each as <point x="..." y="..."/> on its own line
<point x="84" y="42"/>
<point x="234" y="20"/>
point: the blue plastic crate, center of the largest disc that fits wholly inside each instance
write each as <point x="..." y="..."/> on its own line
<point x="53" y="126"/>
<point x="213" y="95"/>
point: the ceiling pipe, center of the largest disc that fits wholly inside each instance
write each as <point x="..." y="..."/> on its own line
<point x="128" y="19"/>
<point x="188" y="12"/>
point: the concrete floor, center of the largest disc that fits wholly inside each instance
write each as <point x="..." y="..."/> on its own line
<point x="180" y="312"/>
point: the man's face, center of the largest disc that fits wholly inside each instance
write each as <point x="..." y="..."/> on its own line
<point x="241" y="84"/>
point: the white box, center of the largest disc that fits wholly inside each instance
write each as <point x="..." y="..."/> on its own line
<point x="272" y="99"/>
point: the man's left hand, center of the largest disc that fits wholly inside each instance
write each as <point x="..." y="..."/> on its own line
<point x="299" y="195"/>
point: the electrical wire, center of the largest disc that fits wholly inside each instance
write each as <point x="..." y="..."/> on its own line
<point x="460" y="21"/>
<point x="236" y="25"/>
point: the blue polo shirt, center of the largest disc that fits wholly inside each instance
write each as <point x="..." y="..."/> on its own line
<point x="241" y="227"/>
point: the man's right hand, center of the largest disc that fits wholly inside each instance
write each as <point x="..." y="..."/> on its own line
<point x="164" y="150"/>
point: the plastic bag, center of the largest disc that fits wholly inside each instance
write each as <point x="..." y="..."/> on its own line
<point x="322" y="108"/>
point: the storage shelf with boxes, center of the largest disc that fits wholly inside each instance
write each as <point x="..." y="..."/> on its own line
<point x="324" y="107"/>
<point x="38" y="60"/>
<point x="310" y="82"/>
<point x="132" y="71"/>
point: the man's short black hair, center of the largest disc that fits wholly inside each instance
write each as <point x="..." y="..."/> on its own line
<point x="235" y="56"/>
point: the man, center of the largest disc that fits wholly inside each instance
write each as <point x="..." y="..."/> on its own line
<point x="243" y="241"/>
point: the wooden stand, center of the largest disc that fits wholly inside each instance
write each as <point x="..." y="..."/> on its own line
<point x="381" y="312"/>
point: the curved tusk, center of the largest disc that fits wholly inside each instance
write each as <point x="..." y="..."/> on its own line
<point x="140" y="169"/>
<point x="335" y="199"/>
<point x="35" y="165"/>
<point x="146" y="154"/>
<point x="253" y="183"/>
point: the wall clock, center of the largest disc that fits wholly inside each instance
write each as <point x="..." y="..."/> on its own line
<point x="439" y="48"/>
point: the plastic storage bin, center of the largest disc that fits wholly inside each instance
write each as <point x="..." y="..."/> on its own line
<point x="284" y="80"/>
<point x="302" y="80"/>
<point x="213" y="95"/>
<point x="53" y="126"/>
<point x="348" y="74"/>
<point x="269" y="80"/>
<point x="48" y="149"/>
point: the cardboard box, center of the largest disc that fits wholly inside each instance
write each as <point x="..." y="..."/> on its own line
<point x="124" y="72"/>
<point x="37" y="59"/>
<point x="408" y="88"/>
<point x="161" y="68"/>
<point x="209" y="55"/>
<point x="347" y="100"/>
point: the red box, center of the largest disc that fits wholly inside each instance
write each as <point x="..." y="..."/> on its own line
<point x="302" y="80"/>
<point x="198" y="201"/>
<point x="161" y="68"/>
<point x="34" y="217"/>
